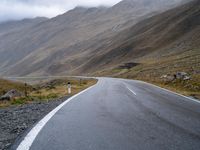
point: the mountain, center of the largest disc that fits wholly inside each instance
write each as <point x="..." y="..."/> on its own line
<point x="14" y="26"/>
<point x="84" y="39"/>
<point x="170" y="33"/>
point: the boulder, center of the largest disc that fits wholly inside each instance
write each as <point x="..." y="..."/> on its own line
<point x="179" y="75"/>
<point x="167" y="78"/>
<point x="186" y="78"/>
<point x="11" y="94"/>
<point x="182" y="76"/>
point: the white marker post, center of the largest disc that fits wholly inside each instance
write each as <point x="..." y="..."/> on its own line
<point x="69" y="88"/>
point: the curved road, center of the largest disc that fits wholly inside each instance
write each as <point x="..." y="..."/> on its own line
<point x="118" y="114"/>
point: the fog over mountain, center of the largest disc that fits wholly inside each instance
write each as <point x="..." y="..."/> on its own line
<point x="19" y="9"/>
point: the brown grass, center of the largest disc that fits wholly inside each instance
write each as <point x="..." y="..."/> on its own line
<point x="47" y="90"/>
<point x="6" y="85"/>
<point x="58" y="87"/>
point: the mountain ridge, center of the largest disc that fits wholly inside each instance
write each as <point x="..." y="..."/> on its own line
<point x="68" y="41"/>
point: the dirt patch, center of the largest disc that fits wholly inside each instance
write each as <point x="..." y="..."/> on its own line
<point x="15" y="120"/>
<point x="128" y="65"/>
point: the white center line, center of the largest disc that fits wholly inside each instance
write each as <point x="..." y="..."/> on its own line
<point x="131" y="91"/>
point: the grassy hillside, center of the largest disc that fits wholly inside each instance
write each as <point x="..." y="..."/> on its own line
<point x="165" y="44"/>
<point x="151" y="70"/>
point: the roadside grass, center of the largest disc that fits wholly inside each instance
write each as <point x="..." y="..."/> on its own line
<point x="6" y="85"/>
<point x="19" y="101"/>
<point x="151" y="70"/>
<point x="58" y="88"/>
<point x="47" y="90"/>
<point x="188" y="88"/>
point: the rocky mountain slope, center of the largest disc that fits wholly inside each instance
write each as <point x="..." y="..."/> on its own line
<point x="170" y="33"/>
<point x="78" y="41"/>
<point x="14" y="26"/>
<point x="158" y="50"/>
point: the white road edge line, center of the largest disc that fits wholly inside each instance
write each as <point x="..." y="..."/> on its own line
<point x="171" y="91"/>
<point x="30" y="137"/>
<point x="131" y="90"/>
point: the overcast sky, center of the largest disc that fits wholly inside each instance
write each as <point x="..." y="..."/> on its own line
<point x="19" y="9"/>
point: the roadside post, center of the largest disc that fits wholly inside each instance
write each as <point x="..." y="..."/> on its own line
<point x="25" y="90"/>
<point x="69" y="88"/>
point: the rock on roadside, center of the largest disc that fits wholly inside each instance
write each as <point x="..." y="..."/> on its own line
<point x="11" y="94"/>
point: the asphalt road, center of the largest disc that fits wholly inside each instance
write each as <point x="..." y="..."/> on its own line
<point x="119" y="114"/>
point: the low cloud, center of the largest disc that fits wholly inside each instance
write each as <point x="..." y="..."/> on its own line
<point x="19" y="9"/>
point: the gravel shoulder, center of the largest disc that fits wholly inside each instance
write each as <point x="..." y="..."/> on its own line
<point x="16" y="120"/>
